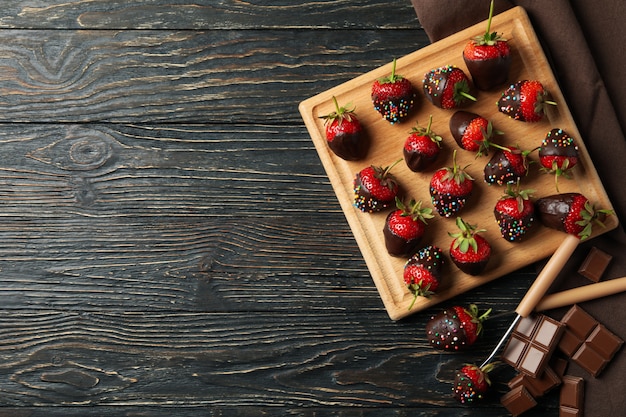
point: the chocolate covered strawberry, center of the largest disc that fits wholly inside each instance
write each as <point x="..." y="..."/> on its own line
<point x="515" y="213"/>
<point x="375" y="188"/>
<point x="455" y="328"/>
<point x="472" y="132"/>
<point x="423" y="272"/>
<point x="405" y="226"/>
<point x="558" y="154"/>
<point x="488" y="58"/>
<point x="471" y="383"/>
<point x="525" y="101"/>
<point x="421" y="147"/>
<point x="450" y="188"/>
<point x="344" y="133"/>
<point x="508" y="165"/>
<point x="448" y="87"/>
<point x="469" y="251"/>
<point x="393" y="96"/>
<point x="571" y="213"/>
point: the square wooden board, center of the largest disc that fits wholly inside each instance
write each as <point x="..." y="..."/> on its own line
<point x="528" y="62"/>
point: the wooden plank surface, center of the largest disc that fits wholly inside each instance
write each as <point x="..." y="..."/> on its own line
<point x="170" y="242"/>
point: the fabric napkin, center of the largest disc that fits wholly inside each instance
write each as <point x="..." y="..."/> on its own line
<point x="584" y="43"/>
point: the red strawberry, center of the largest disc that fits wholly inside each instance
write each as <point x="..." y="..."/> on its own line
<point x="450" y="188"/>
<point x="472" y="132"/>
<point x="455" y="328"/>
<point x="393" y="96"/>
<point x="524" y="101"/>
<point x="558" y="154"/>
<point x="405" y="227"/>
<point x="422" y="147"/>
<point x="375" y="188"/>
<point x="488" y="58"/>
<point x="469" y="250"/>
<point x="508" y="165"/>
<point x="472" y="383"/>
<point x="422" y="272"/>
<point x="344" y="133"/>
<point x="448" y="87"/>
<point x="571" y="213"/>
<point x="515" y="214"/>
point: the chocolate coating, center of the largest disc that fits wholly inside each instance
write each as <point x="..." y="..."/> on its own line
<point x="488" y="74"/>
<point x="512" y="229"/>
<point x="553" y="210"/>
<point x="396" y="245"/>
<point x="500" y="171"/>
<point x="417" y="161"/>
<point x="350" y="146"/>
<point x="471" y="268"/>
<point x="444" y="331"/>
<point x="558" y="143"/>
<point x="459" y="122"/>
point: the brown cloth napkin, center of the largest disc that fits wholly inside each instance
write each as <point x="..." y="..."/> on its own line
<point x="584" y="42"/>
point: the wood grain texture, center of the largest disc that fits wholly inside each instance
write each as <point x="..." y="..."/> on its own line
<point x="206" y="14"/>
<point x="180" y="76"/>
<point x="169" y="242"/>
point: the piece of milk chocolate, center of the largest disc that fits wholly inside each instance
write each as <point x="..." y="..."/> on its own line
<point x="518" y="400"/>
<point x="537" y="387"/>
<point x="532" y="343"/>
<point x="571" y="400"/>
<point x="595" y="264"/>
<point x="590" y="344"/>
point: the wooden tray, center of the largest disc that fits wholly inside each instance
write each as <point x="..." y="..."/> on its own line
<point x="528" y="62"/>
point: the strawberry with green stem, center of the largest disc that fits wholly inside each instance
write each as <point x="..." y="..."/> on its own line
<point x="455" y="328"/>
<point x="344" y="133"/>
<point x="571" y="213"/>
<point x="405" y="226"/>
<point x="421" y="147"/>
<point x="375" y="188"/>
<point x="472" y="132"/>
<point x="393" y="96"/>
<point x="448" y="87"/>
<point x="515" y="213"/>
<point x="525" y="100"/>
<point x="558" y="154"/>
<point x="469" y="250"/>
<point x="508" y="165"/>
<point x="423" y="272"/>
<point x="488" y="58"/>
<point x="450" y="188"/>
<point x="471" y="383"/>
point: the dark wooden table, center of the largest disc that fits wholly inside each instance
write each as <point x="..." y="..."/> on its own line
<point x="169" y="242"/>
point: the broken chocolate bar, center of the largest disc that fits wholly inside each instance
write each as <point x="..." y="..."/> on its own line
<point x="532" y="343"/>
<point x="590" y="344"/>
<point x="595" y="264"/>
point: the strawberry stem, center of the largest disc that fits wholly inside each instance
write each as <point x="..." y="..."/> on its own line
<point x="488" y="31"/>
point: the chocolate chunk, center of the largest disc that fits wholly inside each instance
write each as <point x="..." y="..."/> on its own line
<point x="595" y="264"/>
<point x="518" y="400"/>
<point x="579" y="322"/>
<point x="572" y="392"/>
<point x="537" y="387"/>
<point x="603" y="341"/>
<point x="532" y="343"/>
<point x="590" y="360"/>
<point x="590" y="344"/>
